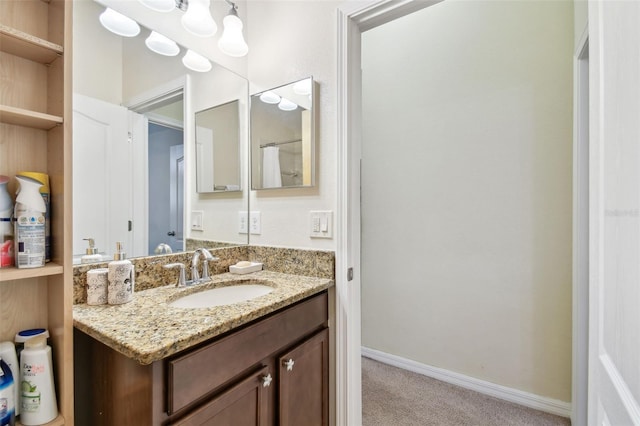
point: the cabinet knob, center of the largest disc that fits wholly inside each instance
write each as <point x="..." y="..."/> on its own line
<point x="289" y="364"/>
<point x="266" y="380"/>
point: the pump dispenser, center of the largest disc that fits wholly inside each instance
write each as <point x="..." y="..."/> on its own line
<point x="91" y="255"/>
<point x="121" y="278"/>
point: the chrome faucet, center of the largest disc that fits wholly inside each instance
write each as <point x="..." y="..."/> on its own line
<point x="195" y="274"/>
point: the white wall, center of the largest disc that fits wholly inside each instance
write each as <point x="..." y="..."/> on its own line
<point x="288" y="41"/>
<point x="467" y="191"/>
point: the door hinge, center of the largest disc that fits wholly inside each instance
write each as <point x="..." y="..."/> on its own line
<point x="350" y="274"/>
<point x="130" y="225"/>
<point x="129" y="137"/>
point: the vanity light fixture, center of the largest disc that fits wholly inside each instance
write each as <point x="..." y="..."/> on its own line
<point x="269" y="97"/>
<point x="286" y="105"/>
<point x="232" y="41"/>
<point x="162" y="45"/>
<point x="198" y="20"/>
<point x="196" y="62"/>
<point x="119" y="24"/>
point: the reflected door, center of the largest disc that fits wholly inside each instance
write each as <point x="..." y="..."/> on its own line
<point x="101" y="174"/>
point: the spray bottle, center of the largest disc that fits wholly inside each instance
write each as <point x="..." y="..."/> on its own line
<point x="29" y="214"/>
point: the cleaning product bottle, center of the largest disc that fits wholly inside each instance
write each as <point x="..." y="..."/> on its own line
<point x="45" y="192"/>
<point x="7" y="401"/>
<point x="38" y="395"/>
<point x="9" y="356"/>
<point x="6" y="225"/>
<point x="121" y="278"/>
<point x="91" y="255"/>
<point x="29" y="213"/>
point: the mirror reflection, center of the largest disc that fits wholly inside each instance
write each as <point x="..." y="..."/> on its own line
<point x="134" y="144"/>
<point x="282" y="137"/>
<point x="218" y="149"/>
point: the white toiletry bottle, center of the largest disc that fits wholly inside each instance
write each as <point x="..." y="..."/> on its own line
<point x="29" y="215"/>
<point x="6" y="224"/>
<point x="37" y="390"/>
<point x="7" y="401"/>
<point x="9" y="356"/>
<point x="121" y="278"/>
<point x="91" y="254"/>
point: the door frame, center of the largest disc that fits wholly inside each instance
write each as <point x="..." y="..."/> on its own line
<point x="142" y="104"/>
<point x="354" y="18"/>
<point x="580" y="315"/>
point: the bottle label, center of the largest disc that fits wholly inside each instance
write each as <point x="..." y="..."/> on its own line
<point x="30" y="236"/>
<point x="30" y="397"/>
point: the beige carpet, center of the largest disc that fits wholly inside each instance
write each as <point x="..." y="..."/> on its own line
<point x="395" y="397"/>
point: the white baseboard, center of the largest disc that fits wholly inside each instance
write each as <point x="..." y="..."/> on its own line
<point x="527" y="399"/>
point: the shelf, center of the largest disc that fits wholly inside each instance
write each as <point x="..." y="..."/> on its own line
<point x="58" y="421"/>
<point x="27" y="46"/>
<point x="24" y="117"/>
<point x="8" y="274"/>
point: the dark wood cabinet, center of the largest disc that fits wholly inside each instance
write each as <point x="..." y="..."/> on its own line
<point x="303" y="383"/>
<point x="274" y="371"/>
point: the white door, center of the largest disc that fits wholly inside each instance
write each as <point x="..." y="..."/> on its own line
<point x="101" y="174"/>
<point x="614" y="318"/>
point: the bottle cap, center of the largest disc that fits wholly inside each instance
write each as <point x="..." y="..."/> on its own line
<point x="24" y="335"/>
<point x="38" y="341"/>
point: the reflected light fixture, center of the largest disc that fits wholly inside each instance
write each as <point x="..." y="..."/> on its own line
<point x="196" y="62"/>
<point x="119" y="24"/>
<point x="232" y="41"/>
<point x="269" y="97"/>
<point x="162" y="45"/>
<point x="198" y="20"/>
<point x="286" y="105"/>
<point x="160" y="5"/>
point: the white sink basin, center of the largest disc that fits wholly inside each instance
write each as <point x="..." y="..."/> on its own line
<point x="222" y="296"/>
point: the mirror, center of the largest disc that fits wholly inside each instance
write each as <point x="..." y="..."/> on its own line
<point x="125" y="99"/>
<point x="283" y="136"/>
<point x="218" y="149"/>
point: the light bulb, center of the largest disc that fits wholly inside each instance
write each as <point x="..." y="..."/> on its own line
<point x="162" y="45"/>
<point x="119" y="24"/>
<point x="232" y="42"/>
<point x="196" y="62"/>
<point x="269" y="97"/>
<point x="286" y="105"/>
<point x="160" y="5"/>
<point x="197" y="19"/>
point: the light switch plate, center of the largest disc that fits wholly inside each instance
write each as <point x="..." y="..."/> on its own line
<point x="243" y="222"/>
<point x="255" y="223"/>
<point x="197" y="218"/>
<point x="321" y="224"/>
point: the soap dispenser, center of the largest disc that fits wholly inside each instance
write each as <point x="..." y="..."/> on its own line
<point x="121" y="278"/>
<point x="91" y="255"/>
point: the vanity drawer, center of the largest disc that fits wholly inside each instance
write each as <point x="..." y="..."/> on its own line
<point x="197" y="373"/>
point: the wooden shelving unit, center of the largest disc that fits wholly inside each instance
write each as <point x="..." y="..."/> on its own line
<point x="35" y="130"/>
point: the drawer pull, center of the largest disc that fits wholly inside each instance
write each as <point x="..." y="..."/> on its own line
<point x="289" y="364"/>
<point x="266" y="380"/>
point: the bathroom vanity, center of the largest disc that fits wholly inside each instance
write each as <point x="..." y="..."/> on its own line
<point x="273" y="369"/>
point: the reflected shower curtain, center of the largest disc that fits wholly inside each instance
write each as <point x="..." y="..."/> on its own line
<point x="271" y="177"/>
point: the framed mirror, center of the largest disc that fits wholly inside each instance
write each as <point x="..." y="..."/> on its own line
<point x="283" y="136"/>
<point x="218" y="149"/>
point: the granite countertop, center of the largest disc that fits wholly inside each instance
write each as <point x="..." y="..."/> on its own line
<point x="148" y="329"/>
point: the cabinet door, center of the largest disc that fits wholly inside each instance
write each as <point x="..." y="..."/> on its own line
<point x="304" y="383"/>
<point x="244" y="404"/>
